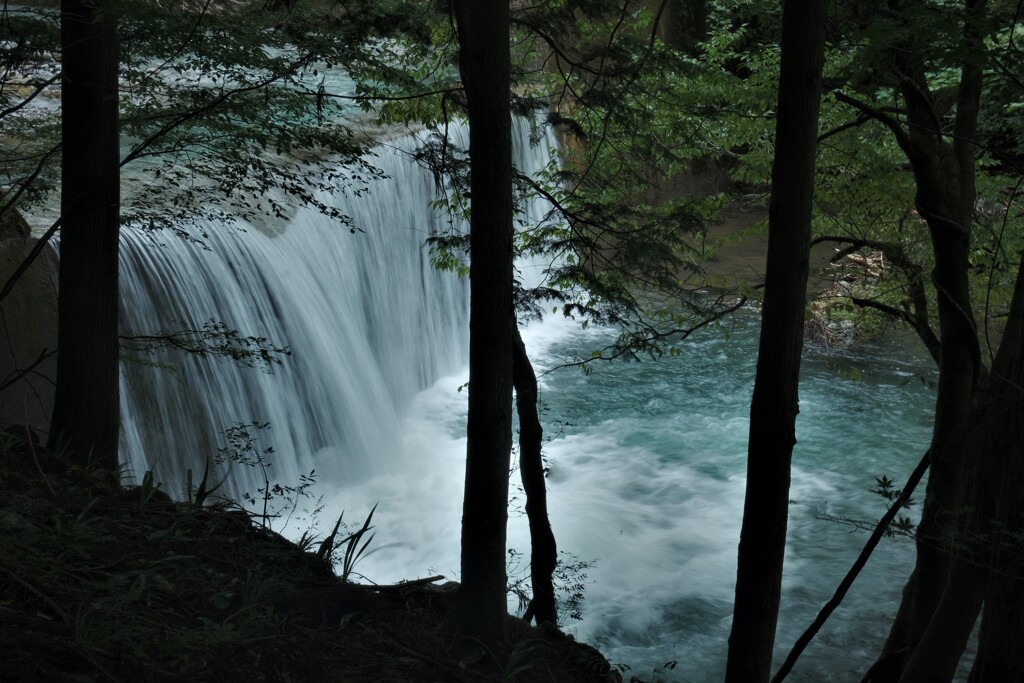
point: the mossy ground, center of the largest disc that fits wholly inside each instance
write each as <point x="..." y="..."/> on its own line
<point x="99" y="582"/>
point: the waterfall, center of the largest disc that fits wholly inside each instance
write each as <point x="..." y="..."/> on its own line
<point x="368" y="320"/>
<point x="647" y="465"/>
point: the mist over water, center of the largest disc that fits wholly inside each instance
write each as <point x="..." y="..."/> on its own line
<point x="647" y="460"/>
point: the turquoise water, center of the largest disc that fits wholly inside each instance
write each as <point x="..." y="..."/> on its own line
<point x="647" y="460"/>
<point x="647" y="476"/>
<point x="670" y="437"/>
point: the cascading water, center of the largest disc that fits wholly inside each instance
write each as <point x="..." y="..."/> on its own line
<point x="646" y="461"/>
<point x="368" y="320"/>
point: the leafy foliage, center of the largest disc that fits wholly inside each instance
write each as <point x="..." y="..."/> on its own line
<point x="215" y="338"/>
<point x="619" y="248"/>
<point x="244" y="448"/>
<point x="228" y="110"/>
<point x="886" y="488"/>
<point x="29" y="124"/>
<point x="569" y="578"/>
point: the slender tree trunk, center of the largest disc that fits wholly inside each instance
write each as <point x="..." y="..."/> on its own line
<point x="543" y="551"/>
<point x="479" y="617"/>
<point x="1000" y="657"/>
<point x="774" y="406"/>
<point x="959" y="369"/>
<point x="86" y="406"/>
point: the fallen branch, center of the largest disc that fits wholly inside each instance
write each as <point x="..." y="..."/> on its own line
<point x="407" y="584"/>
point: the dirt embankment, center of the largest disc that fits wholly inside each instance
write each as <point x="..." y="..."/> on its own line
<point x="105" y="583"/>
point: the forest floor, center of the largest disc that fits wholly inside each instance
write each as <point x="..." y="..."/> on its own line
<point x="99" y="582"/>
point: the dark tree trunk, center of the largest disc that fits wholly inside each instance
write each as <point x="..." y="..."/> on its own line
<point x="479" y="617"/>
<point x="774" y="406"/>
<point x="1000" y="656"/>
<point x="543" y="551"/>
<point x="684" y="24"/>
<point x="988" y="551"/>
<point x="944" y="175"/>
<point x="86" y="406"/>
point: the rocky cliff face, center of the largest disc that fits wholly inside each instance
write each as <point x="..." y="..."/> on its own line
<point x="28" y="329"/>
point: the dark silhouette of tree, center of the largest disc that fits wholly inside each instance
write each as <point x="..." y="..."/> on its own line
<point x="944" y="173"/>
<point x="86" y="406"/>
<point x="968" y="550"/>
<point x="543" y="550"/>
<point x="774" y="406"/>
<point x="942" y="157"/>
<point x="1001" y="498"/>
<point x="479" y="617"/>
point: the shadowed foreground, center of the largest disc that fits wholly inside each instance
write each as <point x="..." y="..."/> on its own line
<point x="104" y="583"/>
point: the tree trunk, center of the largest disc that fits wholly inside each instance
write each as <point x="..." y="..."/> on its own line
<point x="1000" y="653"/>
<point x="1000" y="657"/>
<point x="988" y="550"/>
<point x="479" y="617"/>
<point x="543" y="551"/>
<point x="684" y="24"/>
<point x="944" y="175"/>
<point x="774" y="406"/>
<point x="86" y="406"/>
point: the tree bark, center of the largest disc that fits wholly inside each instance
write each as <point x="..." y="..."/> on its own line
<point x="86" y="406"/>
<point x="987" y="553"/>
<point x="774" y="406"/>
<point x="684" y="23"/>
<point x="479" y="617"/>
<point x="543" y="551"/>
<point x="1000" y="656"/>
<point x="944" y="175"/>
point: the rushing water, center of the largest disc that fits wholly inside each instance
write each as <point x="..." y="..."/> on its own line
<point x="647" y="477"/>
<point x="657" y="451"/>
<point x="367" y="320"/>
<point x="646" y="460"/>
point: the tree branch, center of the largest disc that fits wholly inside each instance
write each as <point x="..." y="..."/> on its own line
<point x="131" y="156"/>
<point x="925" y="332"/>
<point x="857" y="122"/>
<point x="18" y="374"/>
<point x="634" y="343"/>
<point x="883" y="524"/>
<point x="40" y="87"/>
<point x="917" y="318"/>
<point x="28" y="180"/>
<point x="894" y="126"/>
